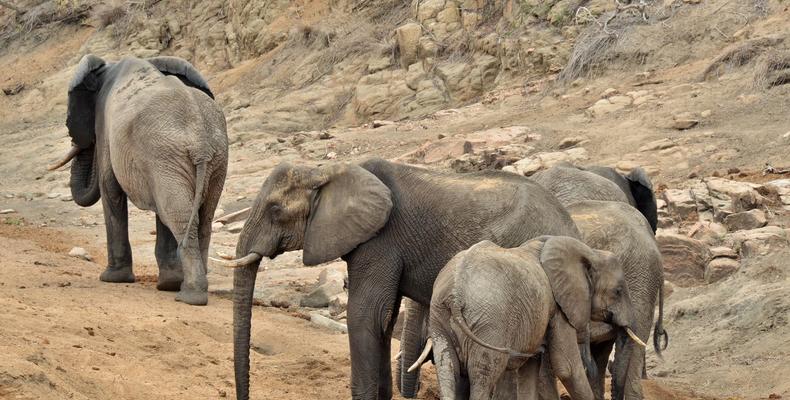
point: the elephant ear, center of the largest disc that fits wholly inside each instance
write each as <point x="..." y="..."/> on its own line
<point x="81" y="114"/>
<point x="645" y="198"/>
<point x="348" y="208"/>
<point x="567" y="263"/>
<point x="182" y="70"/>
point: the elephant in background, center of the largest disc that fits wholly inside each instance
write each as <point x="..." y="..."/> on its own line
<point x="493" y="310"/>
<point x="571" y="183"/>
<point x="620" y="229"/>
<point x="149" y="131"/>
<point x="396" y="226"/>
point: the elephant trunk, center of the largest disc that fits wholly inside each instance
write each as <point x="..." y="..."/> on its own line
<point x="243" y="288"/>
<point x="84" y="180"/>
<point x="413" y="338"/>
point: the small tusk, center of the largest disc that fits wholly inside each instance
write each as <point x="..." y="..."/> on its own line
<point x="71" y="154"/>
<point x="421" y="359"/>
<point x="635" y="338"/>
<point x="397" y="356"/>
<point x="240" y="262"/>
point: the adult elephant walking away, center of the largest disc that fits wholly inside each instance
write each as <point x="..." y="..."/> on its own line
<point x="150" y="131"/>
<point x="396" y="226"/>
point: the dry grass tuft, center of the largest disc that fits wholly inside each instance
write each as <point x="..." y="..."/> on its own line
<point x="108" y="14"/>
<point x="773" y="69"/>
<point x="737" y="55"/>
<point x="589" y="53"/>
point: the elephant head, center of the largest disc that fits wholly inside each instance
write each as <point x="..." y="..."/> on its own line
<point x="588" y="285"/>
<point x="327" y="211"/>
<point x="84" y="110"/>
<point x="638" y="187"/>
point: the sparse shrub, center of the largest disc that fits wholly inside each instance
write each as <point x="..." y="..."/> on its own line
<point x="108" y="14"/>
<point x="773" y="69"/>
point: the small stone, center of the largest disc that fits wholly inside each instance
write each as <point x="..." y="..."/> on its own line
<point x="747" y="220"/>
<point x="331" y="155"/>
<point x="609" y="93"/>
<point x="79" y="252"/>
<point x="234" y="227"/>
<point x="329" y="323"/>
<point x="720" y="268"/>
<point x="382" y="122"/>
<point x="706" y="114"/>
<point x="53" y="195"/>
<point x="511" y="169"/>
<point x="338" y="304"/>
<point x="786" y="136"/>
<point x="216" y="227"/>
<point x="572" y="141"/>
<point x="660" y="144"/>
<point x="683" y="124"/>
<point x="8" y="211"/>
<point x="722" y="251"/>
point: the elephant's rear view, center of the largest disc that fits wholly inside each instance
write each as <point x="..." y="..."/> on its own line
<point x="150" y="131"/>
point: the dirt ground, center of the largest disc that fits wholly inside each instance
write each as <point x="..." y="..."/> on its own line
<point x="66" y="335"/>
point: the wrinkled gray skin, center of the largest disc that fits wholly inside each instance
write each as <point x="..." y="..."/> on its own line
<point x="395" y="226"/>
<point x="569" y="184"/>
<point x="149" y="131"/>
<point x="494" y="310"/>
<point x="622" y="230"/>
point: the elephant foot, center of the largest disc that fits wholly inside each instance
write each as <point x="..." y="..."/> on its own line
<point x="117" y="275"/>
<point x="169" y="280"/>
<point x="193" y="297"/>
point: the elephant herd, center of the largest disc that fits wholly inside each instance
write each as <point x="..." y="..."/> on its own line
<point x="511" y="281"/>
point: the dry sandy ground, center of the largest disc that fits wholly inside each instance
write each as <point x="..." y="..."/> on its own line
<point x="65" y="335"/>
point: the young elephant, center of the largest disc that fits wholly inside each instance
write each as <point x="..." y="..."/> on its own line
<point x="150" y="131"/>
<point x="494" y="309"/>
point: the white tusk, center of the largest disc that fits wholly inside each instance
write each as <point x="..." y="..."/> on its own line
<point x="635" y="338"/>
<point x="421" y="359"/>
<point x="239" y="262"/>
<point x="397" y="356"/>
<point x="71" y="154"/>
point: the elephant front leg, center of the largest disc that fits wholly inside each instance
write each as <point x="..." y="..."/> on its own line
<point x="566" y="360"/>
<point x="171" y="273"/>
<point x="116" y="219"/>
<point x="372" y="309"/>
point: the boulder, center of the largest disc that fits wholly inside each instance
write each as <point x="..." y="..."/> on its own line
<point x="720" y="268"/>
<point x="235" y="227"/>
<point x="761" y="241"/>
<point x="329" y="275"/>
<point x="746" y="220"/>
<point x="723" y="251"/>
<point x="328" y="323"/>
<point x="726" y="188"/>
<point x="408" y="39"/>
<point x="681" y="203"/>
<point x="684" y="258"/>
<point x="322" y="295"/>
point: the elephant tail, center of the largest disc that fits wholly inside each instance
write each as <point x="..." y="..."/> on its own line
<point x="197" y="202"/>
<point x="459" y="320"/>
<point x="658" y="330"/>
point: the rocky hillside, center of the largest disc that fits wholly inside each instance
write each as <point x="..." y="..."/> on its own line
<point x="694" y="91"/>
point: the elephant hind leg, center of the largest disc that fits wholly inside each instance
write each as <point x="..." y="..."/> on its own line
<point x="175" y="210"/>
<point x="171" y="273"/>
<point x="448" y="368"/>
<point x="485" y="368"/>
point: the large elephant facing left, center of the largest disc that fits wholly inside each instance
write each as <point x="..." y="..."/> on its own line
<point x="150" y="131"/>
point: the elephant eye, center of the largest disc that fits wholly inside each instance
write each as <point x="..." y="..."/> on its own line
<point x="275" y="211"/>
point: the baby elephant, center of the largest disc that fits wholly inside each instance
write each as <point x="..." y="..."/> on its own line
<point x="495" y="310"/>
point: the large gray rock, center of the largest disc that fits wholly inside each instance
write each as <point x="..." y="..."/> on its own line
<point x="322" y="295"/>
<point x="684" y="258"/>
<point x="746" y="220"/>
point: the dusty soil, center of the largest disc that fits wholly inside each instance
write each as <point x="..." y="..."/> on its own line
<point x="66" y="335"/>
